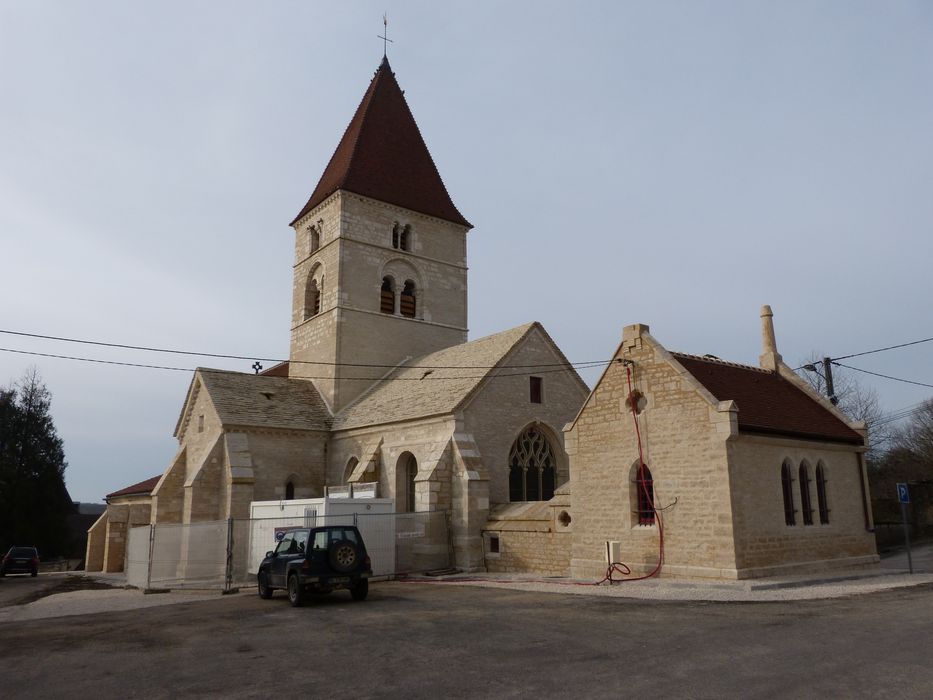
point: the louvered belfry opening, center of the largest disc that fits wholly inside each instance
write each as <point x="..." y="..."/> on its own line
<point x="387" y="298"/>
<point x="407" y="306"/>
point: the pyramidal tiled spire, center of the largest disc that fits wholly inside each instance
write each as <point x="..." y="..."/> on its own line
<point x="383" y="156"/>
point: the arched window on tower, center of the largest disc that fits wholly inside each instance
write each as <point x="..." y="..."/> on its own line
<point x="387" y="296"/>
<point x="396" y="233"/>
<point x="312" y="299"/>
<point x="787" y="487"/>
<point x="407" y="300"/>
<point x="821" y="501"/>
<point x="806" y="507"/>
<point x="643" y="485"/>
<point x="404" y="242"/>
<point x="314" y="239"/>
<point x="531" y="467"/>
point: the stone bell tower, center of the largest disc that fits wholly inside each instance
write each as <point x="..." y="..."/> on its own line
<point x="380" y="272"/>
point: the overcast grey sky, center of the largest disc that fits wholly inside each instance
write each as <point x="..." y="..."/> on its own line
<point x="671" y="163"/>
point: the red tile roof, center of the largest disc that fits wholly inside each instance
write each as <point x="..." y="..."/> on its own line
<point x="140" y="488"/>
<point x="383" y="156"/>
<point x="767" y="402"/>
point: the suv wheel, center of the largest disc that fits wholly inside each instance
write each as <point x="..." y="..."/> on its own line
<point x="295" y="594"/>
<point x="264" y="591"/>
<point x="343" y="556"/>
<point x="360" y="590"/>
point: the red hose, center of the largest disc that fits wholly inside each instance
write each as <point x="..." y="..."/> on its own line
<point x="618" y="567"/>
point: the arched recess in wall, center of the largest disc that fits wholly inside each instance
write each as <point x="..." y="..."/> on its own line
<point x="314" y="239"/>
<point x="806" y="504"/>
<point x="787" y="488"/>
<point x="406" y="469"/>
<point x="289" y="490"/>
<point x="348" y="471"/>
<point x="641" y="490"/>
<point x="532" y="466"/>
<point x="314" y="291"/>
<point x="409" y="288"/>
<point x="822" y="500"/>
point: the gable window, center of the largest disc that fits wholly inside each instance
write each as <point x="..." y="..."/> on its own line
<point x="787" y="487"/>
<point x="643" y="484"/>
<point x="407" y="300"/>
<point x="534" y="386"/>
<point x="387" y="296"/>
<point x="201" y="423"/>
<point x="821" y="494"/>
<point x="806" y="508"/>
<point x="531" y="467"/>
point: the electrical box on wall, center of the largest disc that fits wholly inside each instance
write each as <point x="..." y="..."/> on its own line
<point x="613" y="552"/>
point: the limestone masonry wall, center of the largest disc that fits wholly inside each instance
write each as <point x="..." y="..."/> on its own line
<point x="502" y="409"/>
<point x="766" y="545"/>
<point x="684" y="443"/>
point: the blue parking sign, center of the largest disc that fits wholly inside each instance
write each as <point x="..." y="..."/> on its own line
<point x="903" y="495"/>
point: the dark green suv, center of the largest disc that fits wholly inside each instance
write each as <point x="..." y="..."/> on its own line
<point x="316" y="560"/>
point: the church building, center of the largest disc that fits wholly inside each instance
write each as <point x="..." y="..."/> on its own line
<point x="675" y="464"/>
<point x="381" y="384"/>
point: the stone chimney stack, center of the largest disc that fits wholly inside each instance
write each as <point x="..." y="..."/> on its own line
<point x="769" y="357"/>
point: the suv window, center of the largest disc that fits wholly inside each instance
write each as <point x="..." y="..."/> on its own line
<point x="23" y="552"/>
<point x="286" y="542"/>
<point x="320" y="540"/>
<point x="301" y="541"/>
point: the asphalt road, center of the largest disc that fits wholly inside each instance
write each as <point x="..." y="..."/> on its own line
<point x="430" y="640"/>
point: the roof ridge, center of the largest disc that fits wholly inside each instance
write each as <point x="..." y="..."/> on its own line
<point x="719" y="361"/>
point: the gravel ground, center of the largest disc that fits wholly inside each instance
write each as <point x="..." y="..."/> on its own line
<point x="666" y="589"/>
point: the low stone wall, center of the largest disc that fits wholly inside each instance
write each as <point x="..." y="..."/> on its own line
<point x="529" y="539"/>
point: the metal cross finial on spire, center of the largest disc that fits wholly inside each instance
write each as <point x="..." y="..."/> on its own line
<point x="385" y="35"/>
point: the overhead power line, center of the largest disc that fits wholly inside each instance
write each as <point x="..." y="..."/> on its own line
<point x="123" y="346"/>
<point x="890" y="347"/>
<point x="883" y="376"/>
<point x="427" y="376"/>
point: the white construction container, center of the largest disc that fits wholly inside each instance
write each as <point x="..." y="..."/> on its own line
<point x="373" y="516"/>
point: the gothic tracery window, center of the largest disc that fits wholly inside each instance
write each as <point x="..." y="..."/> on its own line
<point x="531" y="467"/>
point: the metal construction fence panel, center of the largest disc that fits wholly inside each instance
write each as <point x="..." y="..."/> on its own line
<point x="227" y="553"/>
<point x="137" y="556"/>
